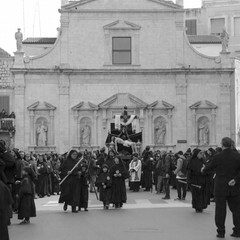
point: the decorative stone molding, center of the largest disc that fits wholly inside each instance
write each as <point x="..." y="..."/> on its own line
<point x="121" y="28"/>
<point x="19" y="89"/>
<point x="163" y="110"/>
<point x="181" y="88"/>
<point x="203" y="110"/>
<point x="41" y="111"/>
<point x="225" y="88"/>
<point x="85" y="115"/>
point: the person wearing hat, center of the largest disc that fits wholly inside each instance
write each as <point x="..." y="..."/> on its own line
<point x="104" y="183"/>
<point x="135" y="170"/>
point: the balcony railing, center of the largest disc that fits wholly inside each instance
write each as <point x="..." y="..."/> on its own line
<point x="7" y="124"/>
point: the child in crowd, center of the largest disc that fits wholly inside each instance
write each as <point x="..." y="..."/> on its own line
<point x="104" y="184"/>
<point x="26" y="207"/>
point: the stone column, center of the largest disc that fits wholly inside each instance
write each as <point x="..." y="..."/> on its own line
<point x="64" y="138"/>
<point x="169" y="130"/>
<point x="194" y="135"/>
<point x="150" y="124"/>
<point x="32" y="141"/>
<point x="181" y="113"/>
<point x="213" y="127"/>
<point x="21" y="140"/>
<point x="75" y="131"/>
<point x="95" y="128"/>
<point x="51" y="140"/>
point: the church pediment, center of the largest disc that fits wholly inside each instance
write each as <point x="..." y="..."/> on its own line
<point x="41" y="106"/>
<point x="82" y="106"/>
<point x="203" y="105"/>
<point x="122" y="25"/>
<point x="161" y="105"/>
<point x="121" y="5"/>
<point x="119" y="100"/>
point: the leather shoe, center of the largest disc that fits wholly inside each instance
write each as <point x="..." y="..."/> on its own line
<point x="236" y="235"/>
<point x="220" y="235"/>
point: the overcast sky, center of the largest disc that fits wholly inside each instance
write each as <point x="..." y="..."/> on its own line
<point x="36" y="18"/>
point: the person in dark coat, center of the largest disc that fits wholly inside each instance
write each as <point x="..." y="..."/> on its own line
<point x="5" y="202"/>
<point x="226" y="186"/>
<point x="83" y="187"/>
<point x="110" y="159"/>
<point x="147" y="169"/>
<point x="42" y="177"/>
<point x="26" y="208"/>
<point x="118" y="173"/>
<point x="104" y="183"/>
<point x="198" y="182"/>
<point x="70" y="190"/>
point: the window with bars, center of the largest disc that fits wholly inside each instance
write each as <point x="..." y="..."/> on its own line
<point x="217" y="25"/>
<point x="191" y="26"/>
<point x="121" y="50"/>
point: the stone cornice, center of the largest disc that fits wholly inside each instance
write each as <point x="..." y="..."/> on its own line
<point x="133" y="71"/>
<point x="119" y="10"/>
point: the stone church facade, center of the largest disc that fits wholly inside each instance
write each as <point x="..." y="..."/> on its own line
<point x="112" y="53"/>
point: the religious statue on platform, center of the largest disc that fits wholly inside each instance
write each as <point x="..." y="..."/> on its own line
<point x="203" y="132"/>
<point x="160" y="131"/>
<point x="19" y="39"/>
<point x="86" y="135"/>
<point x="42" y="135"/>
<point x="225" y="39"/>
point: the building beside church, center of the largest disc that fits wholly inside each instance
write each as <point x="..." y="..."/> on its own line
<point x="112" y="53"/>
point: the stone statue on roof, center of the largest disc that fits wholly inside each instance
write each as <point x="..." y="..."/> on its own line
<point x="225" y="39"/>
<point x="19" y="39"/>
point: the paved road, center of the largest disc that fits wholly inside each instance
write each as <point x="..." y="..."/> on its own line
<point x="145" y="217"/>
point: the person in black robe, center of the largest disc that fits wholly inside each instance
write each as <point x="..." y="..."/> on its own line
<point x="26" y="208"/>
<point x="42" y="177"/>
<point x="110" y="159"/>
<point x="147" y="169"/>
<point x="118" y="173"/>
<point x="5" y="202"/>
<point x="70" y="190"/>
<point x="83" y="187"/>
<point x="104" y="183"/>
<point x="198" y="182"/>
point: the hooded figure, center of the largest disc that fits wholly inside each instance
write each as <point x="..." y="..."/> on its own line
<point x="199" y="182"/>
<point x="104" y="183"/>
<point x="70" y="190"/>
<point x="83" y="187"/>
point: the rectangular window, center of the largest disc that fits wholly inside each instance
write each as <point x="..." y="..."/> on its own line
<point x="237" y="26"/>
<point x="4" y="104"/>
<point x="191" y="26"/>
<point x="217" y="25"/>
<point x="121" y="50"/>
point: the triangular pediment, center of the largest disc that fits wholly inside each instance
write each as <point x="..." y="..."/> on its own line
<point x="121" y="5"/>
<point x="203" y="105"/>
<point x="41" y="106"/>
<point x="120" y="100"/>
<point x="122" y="25"/>
<point x="161" y="105"/>
<point x="82" y="106"/>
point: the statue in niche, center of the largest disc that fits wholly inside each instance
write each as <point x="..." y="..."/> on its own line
<point x="42" y="135"/>
<point x="19" y="39"/>
<point x="203" y="132"/>
<point x="160" y="132"/>
<point x="86" y="135"/>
